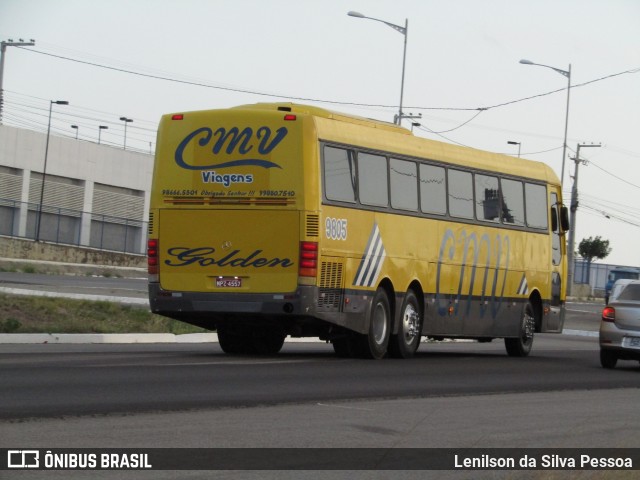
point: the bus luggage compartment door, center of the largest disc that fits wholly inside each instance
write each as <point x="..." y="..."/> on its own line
<point x="228" y="251"/>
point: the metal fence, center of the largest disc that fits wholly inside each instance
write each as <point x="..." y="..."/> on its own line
<point x="72" y="227"/>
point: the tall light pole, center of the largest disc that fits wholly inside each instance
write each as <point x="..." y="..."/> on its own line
<point x="44" y="170"/>
<point x="3" y="51"/>
<point x="404" y="31"/>
<point x="566" y="73"/>
<point x="125" y="120"/>
<point x="100" y="128"/>
<point x="77" y="129"/>
<point x="516" y="143"/>
<point x="573" y="210"/>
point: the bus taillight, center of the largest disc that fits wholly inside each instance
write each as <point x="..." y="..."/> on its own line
<point x="152" y="256"/>
<point x="308" y="259"/>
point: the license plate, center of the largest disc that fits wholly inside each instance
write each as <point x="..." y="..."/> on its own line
<point x="228" y="282"/>
<point x="631" y="342"/>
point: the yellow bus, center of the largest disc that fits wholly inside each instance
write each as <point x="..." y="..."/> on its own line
<point x="276" y="220"/>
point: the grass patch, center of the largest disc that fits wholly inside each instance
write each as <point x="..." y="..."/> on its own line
<point x="25" y="314"/>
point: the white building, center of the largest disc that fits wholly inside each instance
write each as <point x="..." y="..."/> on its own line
<point x="94" y="195"/>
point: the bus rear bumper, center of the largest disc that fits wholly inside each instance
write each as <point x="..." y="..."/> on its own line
<point x="167" y="303"/>
<point x="298" y="311"/>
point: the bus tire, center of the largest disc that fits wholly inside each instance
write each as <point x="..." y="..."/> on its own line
<point x="343" y="347"/>
<point x="267" y="341"/>
<point x="375" y="343"/>
<point x="406" y="342"/>
<point x="233" y="341"/>
<point x="521" y="345"/>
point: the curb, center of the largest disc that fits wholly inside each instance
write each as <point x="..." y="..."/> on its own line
<point x="120" y="338"/>
<point x="75" y="296"/>
<point x="150" y="338"/>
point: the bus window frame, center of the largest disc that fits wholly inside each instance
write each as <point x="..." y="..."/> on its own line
<point x="447" y="217"/>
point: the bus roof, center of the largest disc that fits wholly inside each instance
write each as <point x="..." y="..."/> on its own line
<point x="328" y="114"/>
<point x="339" y="127"/>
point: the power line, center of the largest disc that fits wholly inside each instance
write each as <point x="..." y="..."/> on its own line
<point x="427" y="129"/>
<point x="591" y="162"/>
<point x="307" y="99"/>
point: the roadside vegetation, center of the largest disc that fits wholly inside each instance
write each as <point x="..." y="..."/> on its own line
<point x="26" y="314"/>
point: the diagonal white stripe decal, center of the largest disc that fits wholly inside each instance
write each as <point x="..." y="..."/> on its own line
<point x="371" y="262"/>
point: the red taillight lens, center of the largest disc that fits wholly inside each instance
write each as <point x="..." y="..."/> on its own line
<point x="308" y="259"/>
<point x="609" y="314"/>
<point x="178" y="116"/>
<point x="290" y="117"/>
<point x="152" y="256"/>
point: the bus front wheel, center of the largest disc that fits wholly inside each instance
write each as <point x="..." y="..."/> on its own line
<point x="521" y="345"/>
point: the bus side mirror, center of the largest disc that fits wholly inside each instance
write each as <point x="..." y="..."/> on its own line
<point x="564" y="219"/>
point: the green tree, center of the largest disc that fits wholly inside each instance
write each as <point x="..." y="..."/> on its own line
<point x="591" y="248"/>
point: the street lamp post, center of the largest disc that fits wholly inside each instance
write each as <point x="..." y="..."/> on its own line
<point x="44" y="170"/>
<point x="77" y="129"/>
<point x="404" y="31"/>
<point x="566" y="73"/>
<point x="516" y="143"/>
<point x="100" y="128"/>
<point x="125" y="120"/>
<point x="573" y="211"/>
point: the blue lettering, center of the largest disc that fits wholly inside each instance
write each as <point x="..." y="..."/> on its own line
<point x="235" y="138"/>
<point x="265" y="148"/>
<point x="469" y="243"/>
<point x="231" y="142"/>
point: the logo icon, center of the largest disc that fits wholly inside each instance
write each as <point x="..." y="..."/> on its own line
<point x="23" y="458"/>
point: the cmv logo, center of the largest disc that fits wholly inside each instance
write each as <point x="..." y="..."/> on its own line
<point x="232" y="142"/>
<point x="23" y="459"/>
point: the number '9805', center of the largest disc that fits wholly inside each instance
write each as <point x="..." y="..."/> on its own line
<point x="336" y="228"/>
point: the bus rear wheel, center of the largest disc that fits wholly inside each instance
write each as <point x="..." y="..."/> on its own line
<point x="375" y="343"/>
<point x="406" y="342"/>
<point x="267" y="341"/>
<point x="233" y="341"/>
<point x="521" y="345"/>
<point x="251" y="340"/>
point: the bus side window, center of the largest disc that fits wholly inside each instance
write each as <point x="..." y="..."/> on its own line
<point x="404" y="184"/>
<point x="339" y="174"/>
<point x="512" y="202"/>
<point x="536" y="205"/>
<point x="487" y="198"/>
<point x="372" y="179"/>
<point x="433" y="189"/>
<point x="460" y="194"/>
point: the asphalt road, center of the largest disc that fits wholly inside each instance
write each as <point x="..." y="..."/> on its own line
<point x="56" y="380"/>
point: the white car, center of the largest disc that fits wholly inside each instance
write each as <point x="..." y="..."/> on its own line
<point x="618" y="287"/>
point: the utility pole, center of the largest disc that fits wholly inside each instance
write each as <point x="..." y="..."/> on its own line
<point x="3" y="51"/>
<point x="573" y="209"/>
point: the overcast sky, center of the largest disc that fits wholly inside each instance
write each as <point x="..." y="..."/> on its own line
<point x="462" y="55"/>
